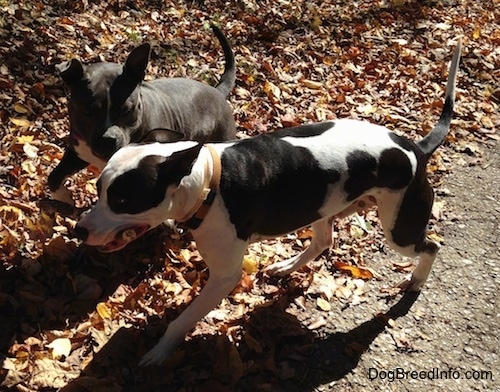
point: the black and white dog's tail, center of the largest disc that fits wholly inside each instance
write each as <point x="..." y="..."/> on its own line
<point x="436" y="137"/>
<point x="228" y="78"/>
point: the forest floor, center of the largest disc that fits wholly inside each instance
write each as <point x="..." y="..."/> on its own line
<point x="74" y="319"/>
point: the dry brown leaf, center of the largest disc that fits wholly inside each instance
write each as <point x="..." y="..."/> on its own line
<point x="312" y="84"/>
<point x="318" y="323"/>
<point x="20" y="108"/>
<point x="435" y="237"/>
<point x="250" y="265"/>
<point x="21" y="122"/>
<point x="323" y="304"/>
<point x="104" y="310"/>
<point x="343" y="292"/>
<point x="330" y="74"/>
<point x="273" y="92"/>
<point x="355" y="272"/>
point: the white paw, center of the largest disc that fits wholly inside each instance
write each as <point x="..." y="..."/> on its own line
<point x="62" y="194"/>
<point x="281" y="268"/>
<point x="158" y="354"/>
<point x="410" y="284"/>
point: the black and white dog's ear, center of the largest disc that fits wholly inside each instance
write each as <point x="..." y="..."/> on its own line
<point x="162" y="135"/>
<point x="70" y="71"/>
<point x="179" y="164"/>
<point x="137" y="62"/>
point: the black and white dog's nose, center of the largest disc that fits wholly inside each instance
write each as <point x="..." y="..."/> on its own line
<point x="81" y="232"/>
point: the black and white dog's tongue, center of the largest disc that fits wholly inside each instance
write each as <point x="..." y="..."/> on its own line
<point x="123" y="237"/>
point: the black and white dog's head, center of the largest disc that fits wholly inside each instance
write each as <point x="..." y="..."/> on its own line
<point x="105" y="107"/>
<point x="141" y="187"/>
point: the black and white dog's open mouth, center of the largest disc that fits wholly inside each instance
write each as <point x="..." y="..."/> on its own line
<point x="123" y="237"/>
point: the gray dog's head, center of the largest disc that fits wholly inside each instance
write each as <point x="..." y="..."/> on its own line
<point x="105" y="108"/>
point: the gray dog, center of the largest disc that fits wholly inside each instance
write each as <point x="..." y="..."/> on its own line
<point x="111" y="106"/>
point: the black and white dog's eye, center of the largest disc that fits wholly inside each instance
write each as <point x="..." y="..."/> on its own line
<point x="119" y="202"/>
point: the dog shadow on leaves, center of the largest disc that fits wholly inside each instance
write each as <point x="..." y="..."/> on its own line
<point x="275" y="352"/>
<point x="62" y="286"/>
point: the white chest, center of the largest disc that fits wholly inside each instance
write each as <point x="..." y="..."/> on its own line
<point x="85" y="153"/>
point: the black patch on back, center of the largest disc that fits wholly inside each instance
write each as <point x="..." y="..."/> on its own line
<point x="362" y="173"/>
<point x="404" y="143"/>
<point x="139" y="189"/>
<point x="270" y="187"/>
<point x="307" y="130"/>
<point x="393" y="171"/>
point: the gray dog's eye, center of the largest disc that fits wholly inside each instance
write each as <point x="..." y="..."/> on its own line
<point x="127" y="109"/>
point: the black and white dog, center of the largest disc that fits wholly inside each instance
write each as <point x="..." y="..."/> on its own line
<point x="233" y="193"/>
<point x="111" y="106"/>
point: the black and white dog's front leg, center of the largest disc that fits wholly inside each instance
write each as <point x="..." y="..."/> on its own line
<point x="70" y="164"/>
<point x="224" y="261"/>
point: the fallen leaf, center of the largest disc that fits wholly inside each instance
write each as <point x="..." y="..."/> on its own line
<point x="216" y="315"/>
<point x="362" y="222"/>
<point x="21" y="122"/>
<point x="366" y="109"/>
<point x="318" y="323"/>
<point x="356" y="231"/>
<point x="487" y="122"/>
<point x="60" y="348"/>
<point x="250" y="265"/>
<point x="273" y="92"/>
<point x="435" y="237"/>
<point x="312" y="84"/>
<point x="323" y="304"/>
<point x="355" y="272"/>
<point x="104" y="310"/>
<point x="21" y="109"/>
<point x="343" y="292"/>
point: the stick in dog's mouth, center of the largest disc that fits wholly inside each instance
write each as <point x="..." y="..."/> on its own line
<point x="123" y="237"/>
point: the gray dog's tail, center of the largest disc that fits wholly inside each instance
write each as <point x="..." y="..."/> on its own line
<point x="228" y="78"/>
<point x="436" y="137"/>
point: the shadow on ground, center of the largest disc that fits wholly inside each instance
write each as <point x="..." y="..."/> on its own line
<point x="275" y="354"/>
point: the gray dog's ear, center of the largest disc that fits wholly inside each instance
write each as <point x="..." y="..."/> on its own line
<point x="70" y="71"/>
<point x="179" y="164"/>
<point x="137" y="61"/>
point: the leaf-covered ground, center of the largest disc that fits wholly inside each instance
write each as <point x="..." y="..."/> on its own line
<point x="77" y="320"/>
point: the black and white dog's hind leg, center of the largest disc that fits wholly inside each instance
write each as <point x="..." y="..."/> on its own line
<point x="406" y="228"/>
<point x="416" y="205"/>
<point x="321" y="240"/>
<point x="404" y="214"/>
<point x="406" y="232"/>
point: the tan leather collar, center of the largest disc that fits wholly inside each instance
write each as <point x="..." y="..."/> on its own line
<point x="193" y="218"/>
